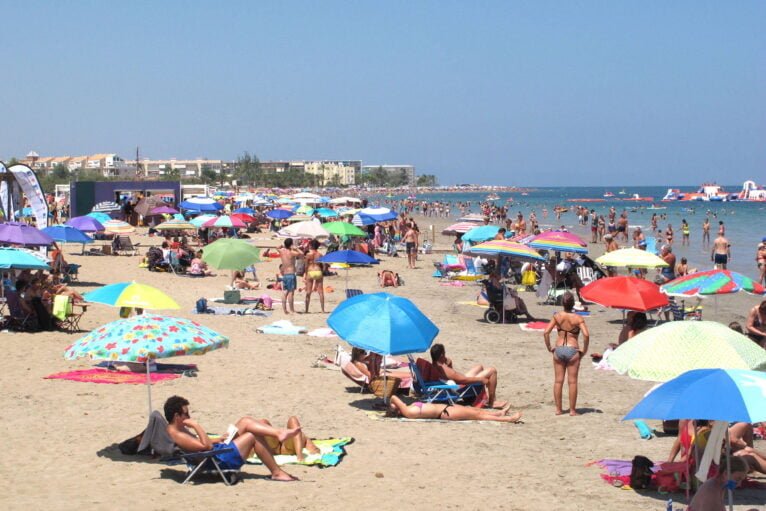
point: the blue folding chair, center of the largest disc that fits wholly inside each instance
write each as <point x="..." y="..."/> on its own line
<point x="440" y="392"/>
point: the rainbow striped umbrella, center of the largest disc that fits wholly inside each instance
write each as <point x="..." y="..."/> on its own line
<point x="712" y="282"/>
<point x="225" y="221"/>
<point x="118" y="227"/>
<point x="505" y="248"/>
<point x="459" y="228"/>
<point x="559" y="241"/>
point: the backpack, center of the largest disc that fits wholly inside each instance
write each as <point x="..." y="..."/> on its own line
<point x="202" y="306"/>
<point x="641" y="473"/>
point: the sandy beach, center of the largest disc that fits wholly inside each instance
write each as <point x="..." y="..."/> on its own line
<point x="59" y="451"/>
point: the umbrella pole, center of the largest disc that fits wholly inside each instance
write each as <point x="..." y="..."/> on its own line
<point x="148" y="387"/>
<point x="347" y="277"/>
<point x="729" y="491"/>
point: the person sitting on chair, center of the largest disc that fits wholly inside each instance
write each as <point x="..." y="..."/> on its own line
<point x="370" y="365"/>
<point x="477" y="374"/>
<point x="251" y="435"/>
<point x="418" y="410"/>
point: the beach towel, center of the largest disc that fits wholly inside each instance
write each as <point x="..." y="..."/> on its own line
<point x="62" y="307"/>
<point x="248" y="311"/>
<point x="110" y="376"/>
<point x="452" y="283"/>
<point x="331" y="451"/>
<point x="323" y="332"/>
<point x="534" y="326"/>
<point x="483" y="306"/>
<point x="159" y="367"/>
<point x="156" y="436"/>
<point x="380" y="415"/>
<point x="282" y="327"/>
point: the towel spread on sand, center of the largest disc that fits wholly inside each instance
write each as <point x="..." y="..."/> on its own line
<point x="158" y="367"/>
<point x="234" y="311"/>
<point x="472" y="302"/>
<point x="111" y="376"/>
<point x="323" y="332"/>
<point x="331" y="451"/>
<point x="380" y="415"/>
<point x="533" y="326"/>
<point x="282" y="327"/>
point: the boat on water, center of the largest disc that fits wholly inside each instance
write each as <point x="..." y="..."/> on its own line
<point x="524" y="194"/>
<point x="608" y="195"/>
<point x="622" y="192"/>
<point x="493" y="196"/>
<point x="712" y="192"/>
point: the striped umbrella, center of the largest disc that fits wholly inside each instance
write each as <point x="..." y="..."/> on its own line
<point x="712" y="282"/>
<point x="225" y="221"/>
<point x="105" y="207"/>
<point x="459" y="228"/>
<point x="505" y="248"/>
<point x="559" y="241"/>
<point x="118" y="227"/>
<point x="98" y="215"/>
<point x="175" y="225"/>
<point x="631" y="258"/>
<point x="197" y="221"/>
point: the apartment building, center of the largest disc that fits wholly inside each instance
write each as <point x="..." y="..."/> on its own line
<point x="185" y="168"/>
<point x="108" y="163"/>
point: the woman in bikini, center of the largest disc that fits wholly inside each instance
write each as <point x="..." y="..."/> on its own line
<point x="314" y="275"/>
<point x="567" y="353"/>
<point x="756" y="324"/>
<point x="419" y="410"/>
<point x="238" y="281"/>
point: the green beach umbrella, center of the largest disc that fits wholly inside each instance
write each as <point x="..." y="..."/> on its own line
<point x="230" y="254"/>
<point x="343" y="229"/>
<point x="669" y="350"/>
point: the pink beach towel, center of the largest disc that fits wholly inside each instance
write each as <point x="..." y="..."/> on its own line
<point x="110" y="376"/>
<point x="534" y="326"/>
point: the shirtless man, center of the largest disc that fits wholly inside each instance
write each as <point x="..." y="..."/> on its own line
<point x="521" y="224"/>
<point x="251" y="435"/>
<point x="706" y="232"/>
<point x="477" y="374"/>
<point x="314" y="275"/>
<point x="721" y="228"/>
<point x="638" y="237"/>
<point x="721" y="254"/>
<point x="622" y="226"/>
<point x="411" y="244"/>
<point x="289" y="280"/>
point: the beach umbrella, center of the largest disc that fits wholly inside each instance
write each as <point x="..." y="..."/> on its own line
<point x="472" y="217"/>
<point x="299" y="218"/>
<point x="144" y="338"/>
<point x="459" y="228"/>
<point x="308" y="229"/>
<point x="726" y="395"/>
<point x="247" y="211"/>
<point x="85" y="224"/>
<point x="712" y="282"/>
<point x="201" y="204"/>
<point x="105" y="207"/>
<point x="23" y="234"/>
<point x="197" y="221"/>
<point x="369" y="216"/>
<point x="230" y="254"/>
<point x="15" y="258"/>
<point x="98" y="215"/>
<point x="664" y="352"/>
<point x="163" y="210"/>
<point x="306" y="195"/>
<point x="558" y="241"/>
<point x="327" y="213"/>
<point x="279" y="214"/>
<point x="625" y="293"/>
<point x="345" y="200"/>
<point x="481" y="233"/>
<point x="305" y="210"/>
<point x="383" y="323"/>
<point x="225" y="221"/>
<point x="67" y="234"/>
<point x="175" y="225"/>
<point x="343" y="229"/>
<point x="244" y="217"/>
<point x="131" y="294"/>
<point x="632" y="258"/>
<point x="118" y="227"/>
<point x="347" y="257"/>
<point x="505" y="248"/>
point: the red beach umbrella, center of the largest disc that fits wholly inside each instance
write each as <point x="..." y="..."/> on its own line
<point x="625" y="293"/>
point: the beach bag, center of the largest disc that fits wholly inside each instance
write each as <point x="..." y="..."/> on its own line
<point x="231" y="296"/>
<point x="202" y="306"/>
<point x="641" y="473"/>
<point x="267" y="301"/>
<point x="529" y="278"/>
<point x="130" y="446"/>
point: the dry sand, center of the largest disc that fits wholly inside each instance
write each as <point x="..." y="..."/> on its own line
<point x="57" y="433"/>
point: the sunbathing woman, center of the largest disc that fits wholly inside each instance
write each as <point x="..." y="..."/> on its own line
<point x="567" y="352"/>
<point x="419" y="410"/>
<point x="294" y="445"/>
<point x="238" y="282"/>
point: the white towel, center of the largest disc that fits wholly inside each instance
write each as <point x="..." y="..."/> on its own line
<point x="712" y="449"/>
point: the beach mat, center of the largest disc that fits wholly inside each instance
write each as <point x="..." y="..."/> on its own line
<point x="282" y="327"/>
<point x="111" y="376"/>
<point x="380" y="415"/>
<point x="160" y="368"/>
<point x="472" y="302"/>
<point x="331" y="451"/>
<point x="533" y="326"/>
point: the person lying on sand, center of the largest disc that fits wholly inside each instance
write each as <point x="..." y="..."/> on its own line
<point x="419" y="410"/>
<point x="238" y="281"/>
<point x="293" y="446"/>
<point x="387" y="278"/>
<point x="251" y="436"/>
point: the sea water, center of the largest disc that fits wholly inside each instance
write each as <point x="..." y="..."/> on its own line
<point x="744" y="221"/>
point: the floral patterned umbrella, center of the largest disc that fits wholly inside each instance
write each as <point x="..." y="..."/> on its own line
<point x="144" y="338"/>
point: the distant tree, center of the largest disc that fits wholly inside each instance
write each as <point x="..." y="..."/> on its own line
<point x="207" y="174"/>
<point x="335" y="181"/>
<point x="13" y="161"/>
<point x="60" y="171"/>
<point x="426" y="180"/>
<point x="247" y="170"/>
<point x="172" y="174"/>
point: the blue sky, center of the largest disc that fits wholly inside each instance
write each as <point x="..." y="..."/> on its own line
<point x="526" y="93"/>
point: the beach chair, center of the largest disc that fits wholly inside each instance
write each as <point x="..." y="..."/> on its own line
<point x="353" y="292"/>
<point x="124" y="244"/>
<point x="438" y="391"/>
<point x="17" y="319"/>
<point x="63" y="311"/>
<point x="204" y="463"/>
<point x="175" y="264"/>
<point x="71" y="273"/>
<point x="683" y="313"/>
<point x="586" y="274"/>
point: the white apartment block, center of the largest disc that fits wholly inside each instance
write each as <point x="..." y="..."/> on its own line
<point x="334" y="172"/>
<point x="108" y="163"/>
<point x="185" y="168"/>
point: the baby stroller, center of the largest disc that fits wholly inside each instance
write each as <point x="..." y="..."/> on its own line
<point x="502" y="306"/>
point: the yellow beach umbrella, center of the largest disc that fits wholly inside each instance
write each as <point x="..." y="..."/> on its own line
<point x="131" y="294"/>
<point x="632" y="258"/>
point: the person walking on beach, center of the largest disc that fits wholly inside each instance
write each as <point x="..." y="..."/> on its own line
<point x="314" y="275"/>
<point x="288" y="254"/>
<point x="567" y="353"/>
<point x="411" y="244"/>
<point x="721" y="254"/>
<point x="721" y="228"/>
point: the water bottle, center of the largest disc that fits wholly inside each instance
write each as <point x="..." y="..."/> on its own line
<point x="669" y="506"/>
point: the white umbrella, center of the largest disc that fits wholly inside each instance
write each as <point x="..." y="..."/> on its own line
<point x="308" y="229"/>
<point x="345" y="200"/>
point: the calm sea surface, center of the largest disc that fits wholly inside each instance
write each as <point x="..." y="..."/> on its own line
<point x="744" y="221"/>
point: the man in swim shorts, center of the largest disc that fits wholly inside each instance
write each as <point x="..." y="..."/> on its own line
<point x="477" y="374"/>
<point x="288" y="254"/>
<point x="721" y="253"/>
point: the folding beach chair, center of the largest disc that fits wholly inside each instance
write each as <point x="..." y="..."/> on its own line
<point x="124" y="244"/>
<point x="204" y="463"/>
<point x="440" y="392"/>
<point x="63" y="310"/>
<point x="175" y="263"/>
<point x="353" y="292"/>
<point x="17" y="319"/>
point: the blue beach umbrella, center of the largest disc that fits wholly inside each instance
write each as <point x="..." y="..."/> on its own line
<point x="101" y="217"/>
<point x="248" y="211"/>
<point x="481" y="233"/>
<point x="383" y="323"/>
<point x="279" y="214"/>
<point x="201" y="204"/>
<point x="21" y="259"/>
<point x="347" y="257"/>
<point x="326" y="212"/>
<point x="67" y="234"/>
